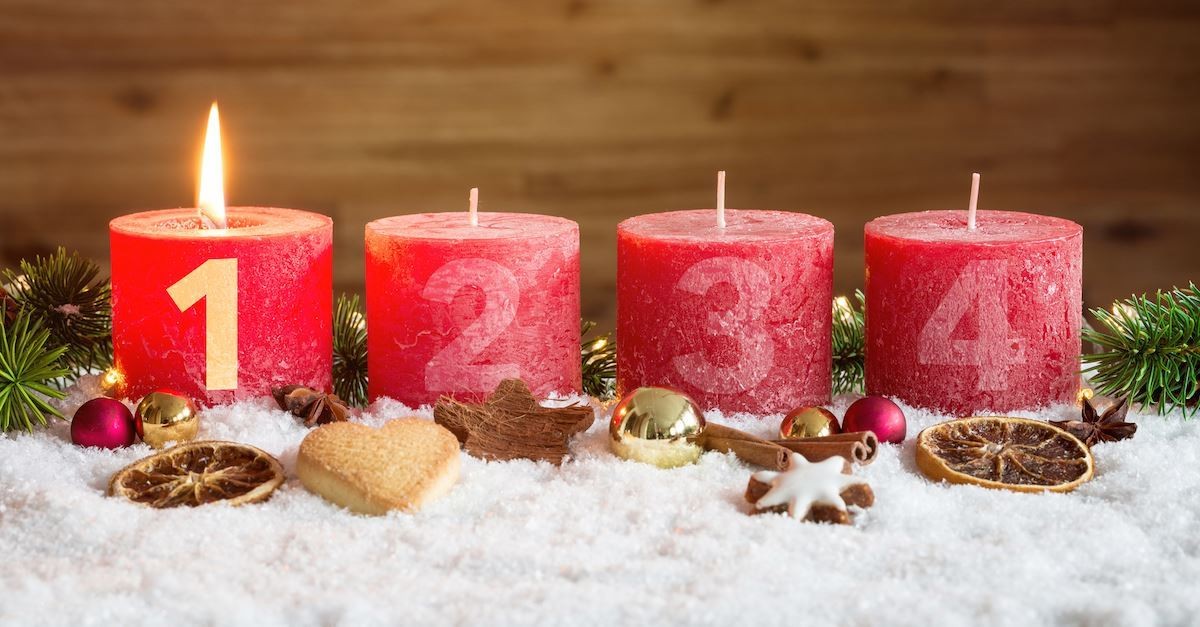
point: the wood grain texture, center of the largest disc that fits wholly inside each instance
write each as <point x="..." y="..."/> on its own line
<point x="600" y="110"/>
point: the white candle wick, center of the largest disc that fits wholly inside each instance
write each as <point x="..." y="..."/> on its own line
<point x="721" y="199"/>
<point x="974" y="201"/>
<point x="474" y="206"/>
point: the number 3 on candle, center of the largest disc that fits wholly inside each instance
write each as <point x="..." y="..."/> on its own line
<point x="744" y="319"/>
<point x="216" y="282"/>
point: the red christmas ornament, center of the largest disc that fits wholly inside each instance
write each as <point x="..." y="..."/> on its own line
<point x="878" y="414"/>
<point x="104" y="423"/>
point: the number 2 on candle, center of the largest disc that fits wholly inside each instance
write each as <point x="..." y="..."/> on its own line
<point x="756" y="349"/>
<point x="215" y="281"/>
<point x="981" y="283"/>
<point x="451" y="369"/>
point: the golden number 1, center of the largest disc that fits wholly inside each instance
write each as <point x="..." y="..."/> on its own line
<point x="216" y="282"/>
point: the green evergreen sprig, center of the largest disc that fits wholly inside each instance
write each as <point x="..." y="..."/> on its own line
<point x="65" y="294"/>
<point x="1149" y="350"/>
<point x="849" y="345"/>
<point x="350" y="351"/>
<point x="28" y="363"/>
<point x="599" y="355"/>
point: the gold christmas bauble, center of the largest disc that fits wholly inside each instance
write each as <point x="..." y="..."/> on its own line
<point x="657" y="426"/>
<point x="809" y="422"/>
<point x="166" y="416"/>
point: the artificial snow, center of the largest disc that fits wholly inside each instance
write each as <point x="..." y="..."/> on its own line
<point x="600" y="541"/>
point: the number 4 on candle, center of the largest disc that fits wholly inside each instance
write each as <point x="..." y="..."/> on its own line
<point x="981" y="284"/>
<point x="215" y="281"/>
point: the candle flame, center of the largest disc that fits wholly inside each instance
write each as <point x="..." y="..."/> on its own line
<point x="210" y="196"/>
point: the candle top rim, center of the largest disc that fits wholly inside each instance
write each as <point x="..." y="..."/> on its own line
<point x="246" y="222"/>
<point x="992" y="227"/>
<point x="456" y="225"/>
<point x="741" y="225"/>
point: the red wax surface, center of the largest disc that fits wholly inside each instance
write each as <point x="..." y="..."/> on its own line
<point x="967" y="322"/>
<point x="739" y="318"/>
<point x="284" y="300"/>
<point x="454" y="309"/>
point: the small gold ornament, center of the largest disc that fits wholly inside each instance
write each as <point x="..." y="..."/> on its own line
<point x="112" y="383"/>
<point x="166" y="416"/>
<point x="657" y="426"/>
<point x="809" y="422"/>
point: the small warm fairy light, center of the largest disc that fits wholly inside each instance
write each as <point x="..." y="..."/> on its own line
<point x="19" y="284"/>
<point x="841" y="306"/>
<point x="599" y="344"/>
<point x="210" y="197"/>
<point x="111" y="382"/>
<point x="1084" y="394"/>
<point x="1124" y="310"/>
<point x="358" y="320"/>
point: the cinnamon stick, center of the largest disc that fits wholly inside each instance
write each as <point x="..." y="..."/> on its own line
<point x="757" y="452"/>
<point x="859" y="447"/>
<point x="817" y="451"/>
<point x="868" y="438"/>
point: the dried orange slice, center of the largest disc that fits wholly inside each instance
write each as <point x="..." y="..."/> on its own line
<point x="1005" y="453"/>
<point x="197" y="473"/>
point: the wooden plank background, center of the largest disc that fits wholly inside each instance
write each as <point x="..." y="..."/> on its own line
<point x="599" y="110"/>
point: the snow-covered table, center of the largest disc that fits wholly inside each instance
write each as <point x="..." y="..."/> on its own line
<point x="601" y="541"/>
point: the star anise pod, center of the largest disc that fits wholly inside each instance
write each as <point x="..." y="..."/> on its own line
<point x="314" y="406"/>
<point x="1095" y="426"/>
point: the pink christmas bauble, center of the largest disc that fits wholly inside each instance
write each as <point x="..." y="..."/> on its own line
<point x="104" y="423"/>
<point x="878" y="414"/>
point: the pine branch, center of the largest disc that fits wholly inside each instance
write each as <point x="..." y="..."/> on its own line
<point x="64" y="293"/>
<point x="29" y="363"/>
<point x="1149" y="350"/>
<point x="350" y="351"/>
<point x="849" y="342"/>
<point x="599" y="357"/>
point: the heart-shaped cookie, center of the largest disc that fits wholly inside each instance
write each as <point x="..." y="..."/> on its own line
<point x="402" y="465"/>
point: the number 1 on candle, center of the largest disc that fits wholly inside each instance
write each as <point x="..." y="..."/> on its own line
<point x="215" y="281"/>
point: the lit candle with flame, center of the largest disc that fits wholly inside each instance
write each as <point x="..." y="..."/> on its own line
<point x="210" y="194"/>
<point x="221" y="303"/>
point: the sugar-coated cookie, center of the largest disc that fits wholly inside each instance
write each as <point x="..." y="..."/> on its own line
<point x="402" y="465"/>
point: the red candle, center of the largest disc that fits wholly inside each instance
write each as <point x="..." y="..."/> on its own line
<point x="738" y="316"/>
<point x="966" y="321"/>
<point x="222" y="314"/>
<point x="455" y="307"/>
<point x="221" y="306"/>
